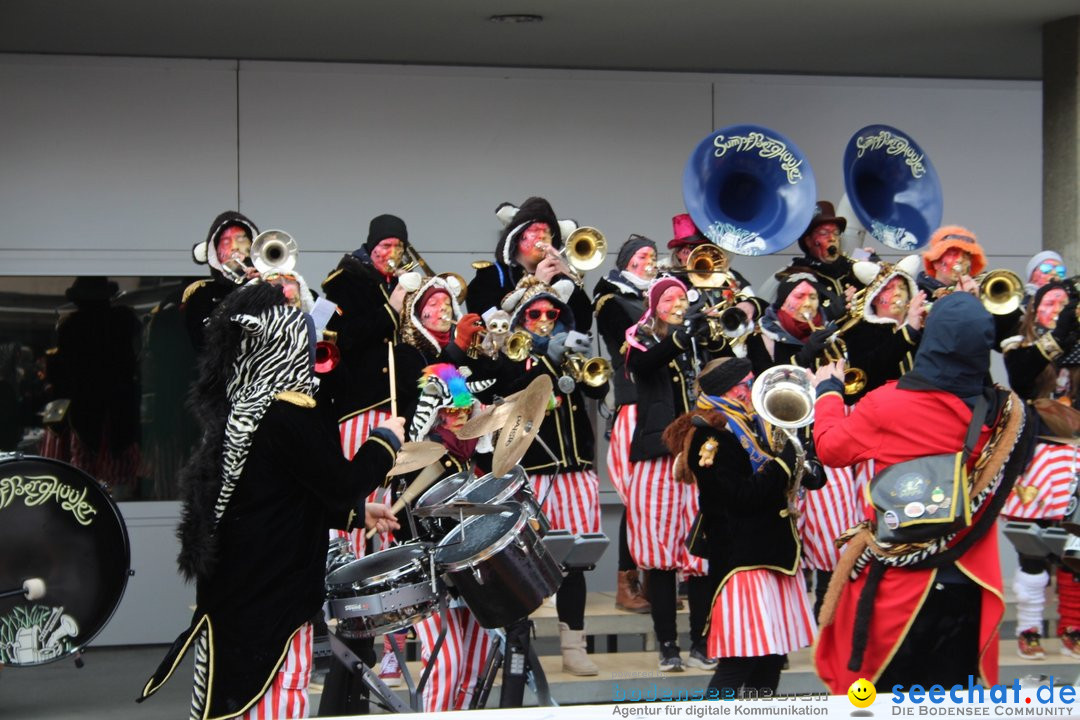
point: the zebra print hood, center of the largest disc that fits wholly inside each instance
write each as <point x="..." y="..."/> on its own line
<point x="256" y="348"/>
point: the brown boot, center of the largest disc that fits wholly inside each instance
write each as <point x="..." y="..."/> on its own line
<point x="629" y="595"/>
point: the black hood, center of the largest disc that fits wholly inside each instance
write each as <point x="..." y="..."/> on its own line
<point x="203" y="250"/>
<point x="954" y="353"/>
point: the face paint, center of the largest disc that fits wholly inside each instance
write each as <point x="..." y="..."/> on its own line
<point x="672" y="305"/>
<point x="802" y="302"/>
<point x="540" y="317"/>
<point x="453" y="418"/>
<point x="824" y="242"/>
<point x="742" y="391"/>
<point x="1050" y="306"/>
<point x="1046" y="271"/>
<point x="437" y="313"/>
<point x="643" y="264"/>
<point x="531" y="246"/>
<point x="233" y="245"/>
<point x="953" y="263"/>
<point x="892" y="301"/>
<point x="682" y="253"/>
<point x="386" y="256"/>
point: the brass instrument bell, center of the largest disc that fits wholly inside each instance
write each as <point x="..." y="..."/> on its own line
<point x="274" y="251"/>
<point x="1000" y="291"/>
<point x="518" y="346"/>
<point x="707" y="266"/>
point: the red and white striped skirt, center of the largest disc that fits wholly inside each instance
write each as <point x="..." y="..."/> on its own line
<point x="826" y="514"/>
<point x="760" y="612"/>
<point x="1048" y="482"/>
<point x="288" y="695"/>
<point x="618" y="452"/>
<point x="659" y="514"/>
<point x="354" y="432"/>
<point x="460" y="660"/>
<point x="573" y="502"/>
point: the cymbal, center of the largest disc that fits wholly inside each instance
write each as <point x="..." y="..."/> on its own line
<point x="458" y="508"/>
<point x="522" y="425"/>
<point x="487" y="420"/>
<point x="416" y="456"/>
<point x="1062" y="419"/>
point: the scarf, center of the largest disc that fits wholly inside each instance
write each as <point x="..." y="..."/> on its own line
<point x="743" y="424"/>
<point x="798" y="329"/>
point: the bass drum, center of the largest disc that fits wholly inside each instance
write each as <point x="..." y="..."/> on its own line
<point x="57" y="524"/>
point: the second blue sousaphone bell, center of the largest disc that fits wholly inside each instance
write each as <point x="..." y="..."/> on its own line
<point x="749" y="189"/>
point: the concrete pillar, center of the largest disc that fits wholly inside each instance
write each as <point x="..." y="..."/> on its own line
<point x="1061" y="140"/>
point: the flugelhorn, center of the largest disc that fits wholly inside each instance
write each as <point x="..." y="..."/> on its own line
<point x="594" y="371"/>
<point x="274" y="251"/>
<point x="518" y="345"/>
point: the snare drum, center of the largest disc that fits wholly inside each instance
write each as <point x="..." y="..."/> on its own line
<point x="383" y="592"/>
<point x="513" y="487"/>
<point x="441" y="493"/>
<point x="499" y="565"/>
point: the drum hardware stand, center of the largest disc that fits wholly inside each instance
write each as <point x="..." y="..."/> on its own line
<point x="514" y="653"/>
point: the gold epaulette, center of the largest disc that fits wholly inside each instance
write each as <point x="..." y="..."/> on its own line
<point x="331" y="276"/>
<point x="190" y="289"/>
<point x="600" y="302"/>
<point x="296" y="398"/>
<point x="481" y="264"/>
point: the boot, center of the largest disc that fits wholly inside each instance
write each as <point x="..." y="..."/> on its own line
<point x="575" y="661"/>
<point x="629" y="597"/>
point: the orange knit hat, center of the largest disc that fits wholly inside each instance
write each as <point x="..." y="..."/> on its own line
<point x="954" y="236"/>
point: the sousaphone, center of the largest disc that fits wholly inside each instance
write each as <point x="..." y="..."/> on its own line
<point x="891" y="188"/>
<point x="749" y="189"/>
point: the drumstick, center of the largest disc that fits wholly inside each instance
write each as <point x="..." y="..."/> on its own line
<point x="393" y="379"/>
<point x="423" y="481"/>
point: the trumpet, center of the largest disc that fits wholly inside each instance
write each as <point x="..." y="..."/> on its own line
<point x="583" y="251"/>
<point x="1000" y="291"/>
<point x="274" y="251"/>
<point x="855" y="378"/>
<point x="594" y="371"/>
<point x="518" y="346"/>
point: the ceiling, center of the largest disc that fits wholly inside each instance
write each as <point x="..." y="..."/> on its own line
<point x="927" y="38"/>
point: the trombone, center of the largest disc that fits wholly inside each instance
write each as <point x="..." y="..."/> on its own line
<point x="413" y="259"/>
<point x="1000" y="291"/>
<point x="707" y="267"/>
<point x="583" y="251"/>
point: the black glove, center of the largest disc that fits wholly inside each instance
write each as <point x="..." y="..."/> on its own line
<point x="695" y="326"/>
<point x="813" y="347"/>
<point x="1067" y="329"/>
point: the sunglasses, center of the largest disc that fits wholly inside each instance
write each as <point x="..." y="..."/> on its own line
<point x="552" y="314"/>
<point x="1058" y="270"/>
<point x="457" y="410"/>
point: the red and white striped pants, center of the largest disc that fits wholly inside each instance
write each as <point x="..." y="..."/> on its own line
<point x="1047" y="484"/>
<point x="573" y="502"/>
<point x="760" y="612"/>
<point x="460" y="660"/>
<point x="659" y="514"/>
<point x="618" y="452"/>
<point x="354" y="432"/>
<point x="288" y="695"/>
<point x="826" y="514"/>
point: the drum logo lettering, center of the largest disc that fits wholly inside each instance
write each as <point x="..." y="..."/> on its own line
<point x="894" y="145"/>
<point x="39" y="489"/>
<point x="766" y="146"/>
<point x="36" y="634"/>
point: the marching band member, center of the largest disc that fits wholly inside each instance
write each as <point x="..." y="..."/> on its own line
<point x="951" y="260"/>
<point x="528" y="245"/>
<point x="660" y="511"/>
<point x="444" y="407"/>
<point x="260" y="493"/>
<point x="796" y="327"/>
<point x="618" y="301"/>
<point x="226" y="251"/>
<point x="823" y="256"/>
<point x="1038" y="366"/>
<point x="566" y="483"/>
<point x="686" y="239"/>
<point x="760" y="611"/>
<point x="925" y="611"/>
<point x="1042" y="268"/>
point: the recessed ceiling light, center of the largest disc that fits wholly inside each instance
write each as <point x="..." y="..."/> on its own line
<point x="516" y="18"/>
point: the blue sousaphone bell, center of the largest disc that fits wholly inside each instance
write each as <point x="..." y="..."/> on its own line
<point x="891" y="187"/>
<point x="749" y="189"/>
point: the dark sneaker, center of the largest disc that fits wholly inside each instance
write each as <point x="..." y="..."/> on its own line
<point x="669" y="658"/>
<point x="698" y="659"/>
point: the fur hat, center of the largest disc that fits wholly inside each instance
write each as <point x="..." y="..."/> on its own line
<point x="823" y="213"/>
<point x="684" y="232"/>
<point x="516" y="219"/>
<point x="953" y="236"/>
<point x="385" y="226"/>
<point x="528" y="291"/>
<point x="205" y="251"/>
<point x="413" y="331"/>
<point x="630" y="248"/>
<point x="725" y="375"/>
<point x="877" y="275"/>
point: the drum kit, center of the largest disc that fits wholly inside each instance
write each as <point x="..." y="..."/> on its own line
<point x="65" y="560"/>
<point x="484" y="540"/>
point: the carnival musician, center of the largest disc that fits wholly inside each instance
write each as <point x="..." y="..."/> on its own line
<point x="823" y="255"/>
<point x="729" y="287"/>
<point x="950" y="262"/>
<point x="760" y="611"/>
<point x="797" y="326"/>
<point x="1043" y="363"/>
<point x="565" y="480"/>
<point x="618" y="301"/>
<point x="909" y="608"/>
<point x="1042" y="267"/>
<point x="529" y="245"/>
<point x="662" y="352"/>
<point x="226" y="251"/>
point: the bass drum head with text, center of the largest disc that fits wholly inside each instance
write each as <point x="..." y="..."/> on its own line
<point x="57" y="524"/>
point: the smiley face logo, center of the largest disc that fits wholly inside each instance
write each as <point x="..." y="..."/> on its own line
<point x="862" y="693"/>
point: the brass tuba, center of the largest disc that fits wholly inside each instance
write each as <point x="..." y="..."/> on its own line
<point x="784" y="397"/>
